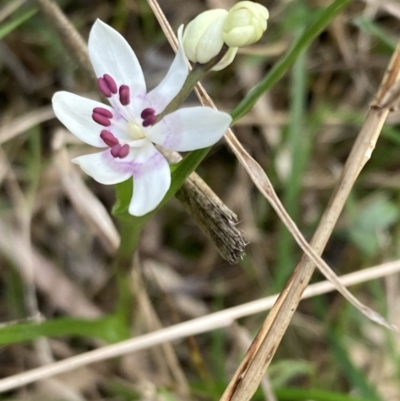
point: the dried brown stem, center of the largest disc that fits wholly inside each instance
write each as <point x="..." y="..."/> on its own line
<point x="69" y="35"/>
<point x="255" y="363"/>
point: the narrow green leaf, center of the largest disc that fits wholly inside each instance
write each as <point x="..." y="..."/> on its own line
<point x="15" y="23"/>
<point x="353" y="374"/>
<point x="107" y="328"/>
<point x="297" y="142"/>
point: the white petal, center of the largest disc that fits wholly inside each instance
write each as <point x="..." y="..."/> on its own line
<point x="211" y="42"/>
<point x="170" y="86"/>
<point x="106" y="169"/>
<point x="203" y="35"/>
<point x="75" y="112"/>
<point x="151" y="180"/>
<point x="190" y="128"/>
<point x="111" y="54"/>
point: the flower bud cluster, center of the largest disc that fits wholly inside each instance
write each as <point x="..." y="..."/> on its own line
<point x="205" y="36"/>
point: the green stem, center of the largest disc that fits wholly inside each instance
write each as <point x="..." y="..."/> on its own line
<point x="191" y="81"/>
<point x="130" y="235"/>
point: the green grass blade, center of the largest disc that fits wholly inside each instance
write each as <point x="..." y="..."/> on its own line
<point x="373" y="29"/>
<point x="297" y="139"/>
<point x="300" y="394"/>
<point x="15" y="23"/>
<point x="107" y="328"/>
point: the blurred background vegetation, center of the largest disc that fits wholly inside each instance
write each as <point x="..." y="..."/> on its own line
<point x="54" y="262"/>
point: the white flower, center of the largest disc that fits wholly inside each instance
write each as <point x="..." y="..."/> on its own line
<point x="128" y="129"/>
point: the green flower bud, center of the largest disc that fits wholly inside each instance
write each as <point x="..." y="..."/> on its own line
<point x="245" y="24"/>
<point x="202" y="39"/>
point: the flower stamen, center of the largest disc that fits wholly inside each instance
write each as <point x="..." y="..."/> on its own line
<point x="124" y="151"/>
<point x="149" y="117"/>
<point x="147" y="112"/>
<point x="102" y="116"/>
<point x="108" y="138"/>
<point x="107" y="85"/>
<point x="124" y="95"/>
<point x="115" y="150"/>
<point x="120" y="151"/>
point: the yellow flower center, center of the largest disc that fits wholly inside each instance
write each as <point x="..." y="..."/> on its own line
<point x="135" y="131"/>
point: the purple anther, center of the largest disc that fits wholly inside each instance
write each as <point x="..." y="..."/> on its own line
<point x="103" y="112"/>
<point x="104" y="89"/>
<point x="100" y="119"/>
<point x="150" y="120"/>
<point x="123" y="152"/>
<point x="124" y="95"/>
<point x="110" y="83"/>
<point x="115" y="150"/>
<point x="147" y="112"/>
<point x="108" y="138"/>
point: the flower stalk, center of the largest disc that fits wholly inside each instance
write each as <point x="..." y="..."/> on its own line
<point x="195" y="75"/>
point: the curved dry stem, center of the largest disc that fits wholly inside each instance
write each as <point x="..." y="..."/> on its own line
<point x="260" y="354"/>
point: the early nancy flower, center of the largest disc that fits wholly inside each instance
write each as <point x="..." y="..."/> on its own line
<point x="128" y="129"/>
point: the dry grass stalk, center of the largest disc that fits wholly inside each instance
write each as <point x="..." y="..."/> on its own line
<point x="192" y="327"/>
<point x="69" y="36"/>
<point x="220" y="225"/>
<point x="255" y="363"/>
<point x="60" y="290"/>
<point x="22" y="124"/>
<point x="264" y="185"/>
<point x="165" y="355"/>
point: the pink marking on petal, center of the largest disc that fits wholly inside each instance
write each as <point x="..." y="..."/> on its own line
<point x="123" y="152"/>
<point x="124" y="95"/>
<point x="103" y="87"/>
<point x="103" y="112"/>
<point x="147" y="112"/>
<point x="108" y="138"/>
<point x="100" y="119"/>
<point x="110" y="83"/>
<point x="153" y="163"/>
<point x="115" y="150"/>
<point x="150" y="120"/>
